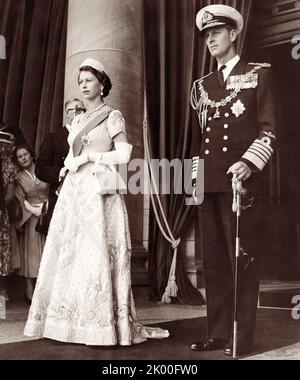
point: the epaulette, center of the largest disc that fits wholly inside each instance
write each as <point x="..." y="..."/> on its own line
<point x="260" y="64"/>
<point x="205" y="76"/>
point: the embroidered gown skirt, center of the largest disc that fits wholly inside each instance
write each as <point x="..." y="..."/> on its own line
<point x="83" y="291"/>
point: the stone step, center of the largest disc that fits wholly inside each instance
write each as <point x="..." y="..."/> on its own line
<point x="283" y="298"/>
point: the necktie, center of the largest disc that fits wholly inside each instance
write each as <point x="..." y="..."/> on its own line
<point x="220" y="76"/>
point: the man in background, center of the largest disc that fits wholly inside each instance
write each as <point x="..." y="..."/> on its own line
<point x="53" y="152"/>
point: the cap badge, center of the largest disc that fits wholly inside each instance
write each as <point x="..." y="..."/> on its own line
<point x="207" y="16"/>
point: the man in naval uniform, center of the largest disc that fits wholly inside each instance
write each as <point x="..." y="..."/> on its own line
<point x="236" y="113"/>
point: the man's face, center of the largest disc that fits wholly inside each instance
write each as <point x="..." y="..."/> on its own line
<point x="219" y="41"/>
<point x="73" y="109"/>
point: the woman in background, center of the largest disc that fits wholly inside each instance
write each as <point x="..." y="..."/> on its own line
<point x="32" y="193"/>
<point x="7" y="192"/>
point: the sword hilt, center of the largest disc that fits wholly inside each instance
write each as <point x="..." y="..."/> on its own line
<point x="238" y="191"/>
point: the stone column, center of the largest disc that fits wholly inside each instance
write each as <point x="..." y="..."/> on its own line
<point x="111" y="32"/>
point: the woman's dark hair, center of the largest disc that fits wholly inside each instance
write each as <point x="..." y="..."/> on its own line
<point x="102" y="77"/>
<point x="22" y="146"/>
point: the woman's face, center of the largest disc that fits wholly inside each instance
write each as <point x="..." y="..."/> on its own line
<point x="24" y="158"/>
<point x="89" y="85"/>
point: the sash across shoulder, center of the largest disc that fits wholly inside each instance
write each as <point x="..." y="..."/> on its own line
<point x="77" y="143"/>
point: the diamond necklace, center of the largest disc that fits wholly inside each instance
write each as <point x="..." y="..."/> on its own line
<point x="88" y="113"/>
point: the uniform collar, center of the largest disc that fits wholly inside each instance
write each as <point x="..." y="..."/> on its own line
<point x="229" y="66"/>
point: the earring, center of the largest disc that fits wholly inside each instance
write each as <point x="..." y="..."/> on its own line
<point x="101" y="93"/>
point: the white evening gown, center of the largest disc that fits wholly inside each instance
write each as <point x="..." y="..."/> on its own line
<point x="83" y="291"/>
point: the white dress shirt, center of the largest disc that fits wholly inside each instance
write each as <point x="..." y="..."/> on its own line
<point x="229" y="66"/>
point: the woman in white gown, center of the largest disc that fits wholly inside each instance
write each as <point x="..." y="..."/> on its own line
<point x="83" y="291"/>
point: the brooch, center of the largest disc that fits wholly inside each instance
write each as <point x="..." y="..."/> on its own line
<point x="238" y="108"/>
<point x="85" y="140"/>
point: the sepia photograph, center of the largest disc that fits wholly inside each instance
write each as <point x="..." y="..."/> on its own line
<point x="149" y="183"/>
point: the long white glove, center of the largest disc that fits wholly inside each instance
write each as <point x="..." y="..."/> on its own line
<point x="121" y="155"/>
<point x="74" y="163"/>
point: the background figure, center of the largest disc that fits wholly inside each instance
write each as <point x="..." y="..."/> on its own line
<point x="236" y="111"/>
<point x="32" y="193"/>
<point x="53" y="152"/>
<point x="8" y="178"/>
<point x="83" y="292"/>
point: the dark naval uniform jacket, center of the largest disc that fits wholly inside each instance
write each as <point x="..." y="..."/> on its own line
<point x="52" y="154"/>
<point x="237" y="122"/>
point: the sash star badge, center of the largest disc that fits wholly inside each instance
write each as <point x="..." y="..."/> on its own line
<point x="238" y="108"/>
<point x="85" y="140"/>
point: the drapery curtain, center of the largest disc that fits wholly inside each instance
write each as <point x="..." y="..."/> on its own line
<point x="174" y="57"/>
<point x="32" y="75"/>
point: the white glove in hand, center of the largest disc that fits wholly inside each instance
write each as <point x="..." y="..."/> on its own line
<point x="74" y="163"/>
<point x="35" y="210"/>
<point x="62" y="173"/>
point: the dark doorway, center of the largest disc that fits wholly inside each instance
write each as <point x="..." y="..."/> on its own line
<point x="281" y="256"/>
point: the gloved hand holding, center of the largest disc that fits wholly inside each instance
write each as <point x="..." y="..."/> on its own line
<point x="74" y="163"/>
<point x="242" y="171"/>
<point x="62" y="173"/>
<point x="35" y="210"/>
